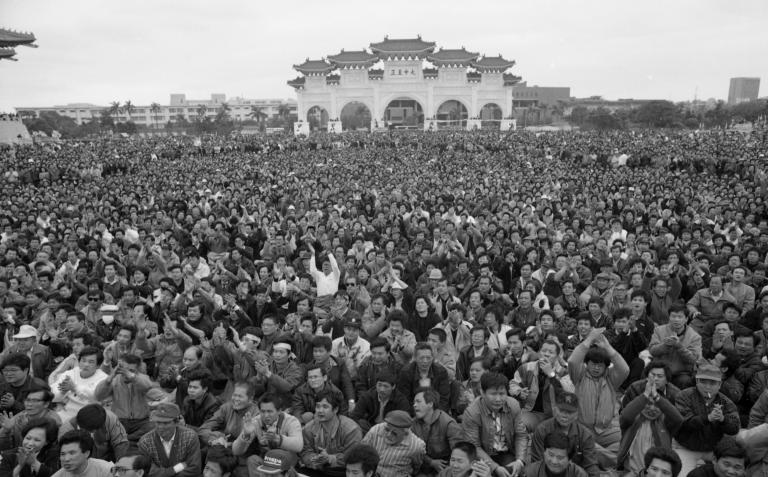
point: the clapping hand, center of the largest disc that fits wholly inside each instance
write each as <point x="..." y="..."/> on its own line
<point x="6" y="420"/>
<point x="67" y="385"/>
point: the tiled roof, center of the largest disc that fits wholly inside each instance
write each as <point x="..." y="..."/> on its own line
<point x="314" y="66"/>
<point x="7" y="53"/>
<point x="443" y="56"/>
<point x="493" y="63"/>
<point x="403" y="47"/>
<point x="13" y="38"/>
<point x="361" y="56"/>
<point x="297" y="82"/>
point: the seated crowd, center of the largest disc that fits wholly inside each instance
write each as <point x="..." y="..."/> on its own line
<point x="447" y="305"/>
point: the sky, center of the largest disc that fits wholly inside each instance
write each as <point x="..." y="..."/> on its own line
<point x="99" y="51"/>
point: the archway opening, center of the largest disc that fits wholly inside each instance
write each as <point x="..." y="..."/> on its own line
<point x="490" y="116"/>
<point x="452" y="114"/>
<point x="355" y="116"/>
<point x="404" y="113"/>
<point x="317" y="118"/>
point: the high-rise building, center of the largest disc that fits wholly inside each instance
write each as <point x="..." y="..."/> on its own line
<point x="743" y="89"/>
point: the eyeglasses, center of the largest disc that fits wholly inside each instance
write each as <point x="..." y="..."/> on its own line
<point x="119" y="470"/>
<point x="93" y="298"/>
<point x="350" y="284"/>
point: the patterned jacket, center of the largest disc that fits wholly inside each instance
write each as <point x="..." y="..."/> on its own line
<point x="185" y="449"/>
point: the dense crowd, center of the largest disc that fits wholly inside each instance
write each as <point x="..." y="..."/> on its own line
<point x="450" y="303"/>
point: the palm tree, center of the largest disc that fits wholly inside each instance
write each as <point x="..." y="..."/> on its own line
<point x="223" y="114"/>
<point x="128" y="107"/>
<point x="201" y="110"/>
<point x="257" y="113"/>
<point x="154" y="108"/>
<point x="114" y="108"/>
<point x="283" y="111"/>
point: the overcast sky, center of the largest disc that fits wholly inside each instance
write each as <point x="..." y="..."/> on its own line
<point x="99" y="51"/>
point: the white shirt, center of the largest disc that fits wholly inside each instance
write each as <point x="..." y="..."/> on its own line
<point x="326" y="284"/>
<point x="83" y="394"/>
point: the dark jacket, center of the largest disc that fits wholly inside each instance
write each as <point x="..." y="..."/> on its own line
<point x="195" y="413"/>
<point x="408" y="383"/>
<point x="367" y="407"/>
<point x="305" y="399"/>
<point x="440" y="434"/>
<point x="465" y="359"/>
<point x="696" y="432"/>
<point x="49" y="463"/>
<point x="539" y="469"/>
<point x="580" y="439"/>
<point x="338" y="375"/>
<point x="19" y="393"/>
<point x="42" y="360"/>
<point x="368" y="371"/>
<point x="185" y="449"/>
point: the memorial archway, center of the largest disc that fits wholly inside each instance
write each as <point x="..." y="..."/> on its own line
<point x="452" y="114"/>
<point x="490" y="116"/>
<point x="355" y="115"/>
<point x="317" y="118"/>
<point x="404" y="113"/>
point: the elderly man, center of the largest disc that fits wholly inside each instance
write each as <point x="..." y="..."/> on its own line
<point x="26" y="342"/>
<point x="174" y="449"/>
<point x="401" y="452"/>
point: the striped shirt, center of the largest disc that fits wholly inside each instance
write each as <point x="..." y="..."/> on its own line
<point x="403" y="459"/>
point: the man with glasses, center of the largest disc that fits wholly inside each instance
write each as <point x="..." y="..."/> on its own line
<point x="17" y="383"/>
<point x="708" y="415"/>
<point x="36" y="405"/>
<point x="136" y="465"/>
<point x="173" y="449"/>
<point x="400" y="451"/>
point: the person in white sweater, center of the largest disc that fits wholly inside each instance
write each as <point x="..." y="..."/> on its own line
<point x="75" y="388"/>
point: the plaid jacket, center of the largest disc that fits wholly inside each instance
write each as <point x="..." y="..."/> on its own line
<point x="185" y="449"/>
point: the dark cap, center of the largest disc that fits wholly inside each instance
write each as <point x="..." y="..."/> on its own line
<point x="399" y="419"/>
<point x="165" y="411"/>
<point x="353" y="322"/>
<point x="277" y="461"/>
<point x="567" y="401"/>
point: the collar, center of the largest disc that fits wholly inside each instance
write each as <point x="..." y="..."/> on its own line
<point x="169" y="440"/>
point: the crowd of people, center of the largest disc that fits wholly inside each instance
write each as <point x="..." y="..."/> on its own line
<point x="448" y="304"/>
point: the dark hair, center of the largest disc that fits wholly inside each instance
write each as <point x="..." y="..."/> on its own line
<point x="333" y="399"/>
<point x="440" y="333"/>
<point x="79" y="436"/>
<point x="550" y="341"/>
<point x="271" y="398"/>
<point x="130" y="328"/>
<point x="131" y="359"/>
<point x="493" y="381"/>
<point x="397" y="315"/>
<point x="203" y="375"/>
<point x="597" y="355"/>
<point x="386" y="375"/>
<point x="49" y="426"/>
<point x="16" y="359"/>
<point x="556" y="440"/>
<point x="658" y="364"/>
<point x="140" y="462"/>
<point x="430" y="396"/>
<point x="664" y="454"/>
<point x="363" y="454"/>
<point x="379" y="341"/>
<point x="47" y="394"/>
<point x="221" y="456"/>
<point x="467" y="448"/>
<point x="91" y="351"/>
<point x="322" y="342"/>
<point x="312" y="367"/>
<point x="729" y="447"/>
<point x="422" y="346"/>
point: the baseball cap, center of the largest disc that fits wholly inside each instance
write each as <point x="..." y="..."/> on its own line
<point x="164" y="412"/>
<point x="277" y="461"/>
